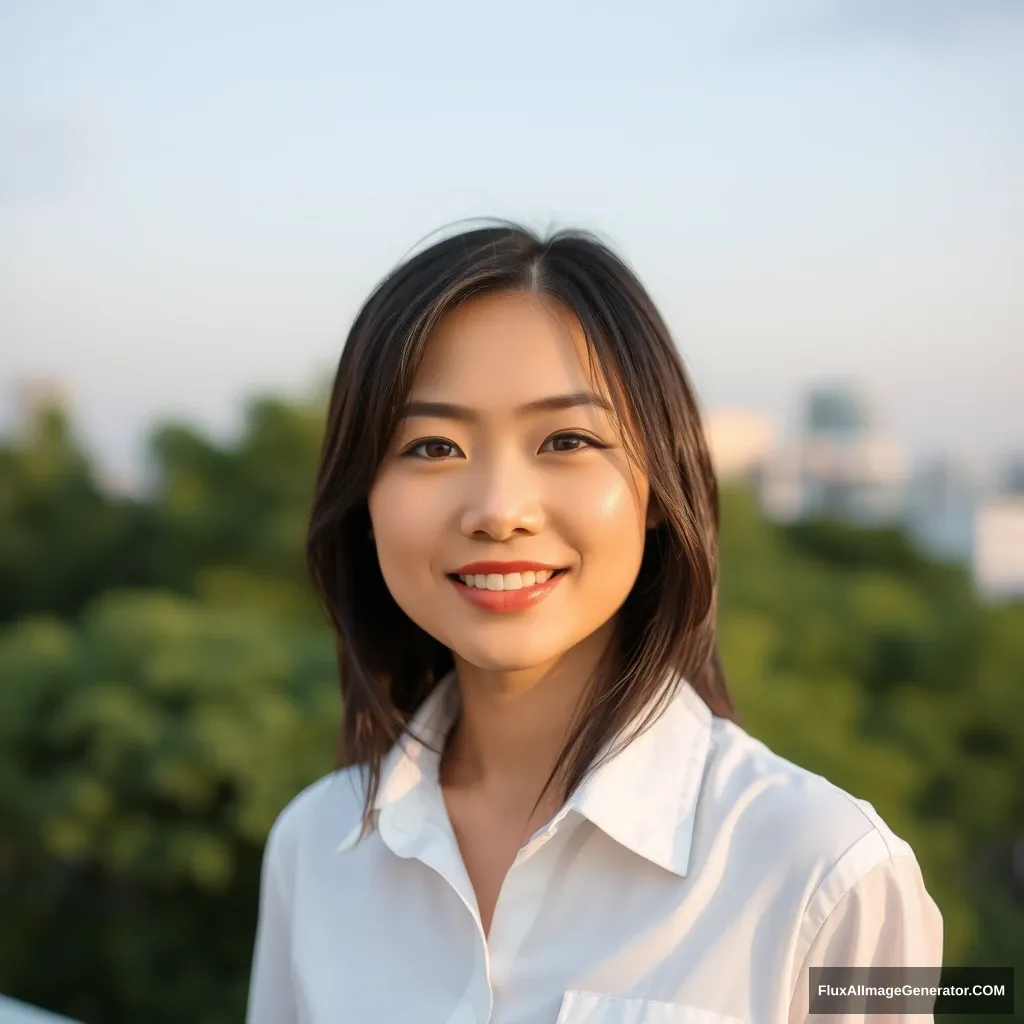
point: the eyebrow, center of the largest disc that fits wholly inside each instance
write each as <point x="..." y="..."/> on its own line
<point x="554" y="403"/>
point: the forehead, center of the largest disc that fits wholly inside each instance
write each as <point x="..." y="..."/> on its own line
<point x="505" y="349"/>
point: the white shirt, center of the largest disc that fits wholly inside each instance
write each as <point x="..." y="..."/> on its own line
<point x="693" y="878"/>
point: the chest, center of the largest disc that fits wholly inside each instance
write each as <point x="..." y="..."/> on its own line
<point x="576" y="929"/>
<point x="489" y="839"/>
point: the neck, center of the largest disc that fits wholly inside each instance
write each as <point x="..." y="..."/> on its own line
<point x="514" y="724"/>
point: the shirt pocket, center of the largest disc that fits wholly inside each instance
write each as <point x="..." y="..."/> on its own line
<point x="591" y="1008"/>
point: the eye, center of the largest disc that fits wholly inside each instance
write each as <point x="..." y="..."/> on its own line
<point x="577" y="442"/>
<point x="433" y="449"/>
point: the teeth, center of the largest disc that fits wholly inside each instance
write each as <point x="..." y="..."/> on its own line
<point x="510" y="581"/>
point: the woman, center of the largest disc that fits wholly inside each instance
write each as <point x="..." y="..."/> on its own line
<point x="546" y="811"/>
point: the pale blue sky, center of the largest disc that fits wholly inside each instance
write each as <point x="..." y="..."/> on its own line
<point x="195" y="197"/>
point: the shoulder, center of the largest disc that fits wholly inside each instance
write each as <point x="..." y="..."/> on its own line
<point x="802" y="847"/>
<point x="801" y="825"/>
<point x="316" y="819"/>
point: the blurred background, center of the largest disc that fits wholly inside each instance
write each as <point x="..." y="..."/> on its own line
<point x="826" y="200"/>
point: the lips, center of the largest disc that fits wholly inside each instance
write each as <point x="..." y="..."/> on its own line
<point x="502" y="568"/>
<point x="525" y="594"/>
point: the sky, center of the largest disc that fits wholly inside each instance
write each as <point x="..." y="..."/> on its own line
<point x="196" y="197"/>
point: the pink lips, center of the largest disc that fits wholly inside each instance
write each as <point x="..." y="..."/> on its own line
<point x="505" y="600"/>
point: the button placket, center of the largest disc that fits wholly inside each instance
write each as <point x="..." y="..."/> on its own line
<point x="515" y="915"/>
<point x="413" y="831"/>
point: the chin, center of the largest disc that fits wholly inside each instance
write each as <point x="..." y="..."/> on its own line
<point x="509" y="656"/>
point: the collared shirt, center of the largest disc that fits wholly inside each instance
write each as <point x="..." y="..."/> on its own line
<point x="692" y="879"/>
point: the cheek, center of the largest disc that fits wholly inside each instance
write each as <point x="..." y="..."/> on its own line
<point x="607" y="511"/>
<point x="403" y="530"/>
<point x="608" y="531"/>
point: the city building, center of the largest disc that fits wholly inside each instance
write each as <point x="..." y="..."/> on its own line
<point x="942" y="497"/>
<point x="999" y="537"/>
<point x="841" y="464"/>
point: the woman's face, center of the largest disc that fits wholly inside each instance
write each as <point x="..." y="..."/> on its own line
<point x="480" y="471"/>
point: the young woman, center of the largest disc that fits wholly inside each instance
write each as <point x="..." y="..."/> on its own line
<point x="546" y="811"/>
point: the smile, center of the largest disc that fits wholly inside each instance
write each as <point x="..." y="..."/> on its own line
<point x="507" y="581"/>
<point x="507" y="592"/>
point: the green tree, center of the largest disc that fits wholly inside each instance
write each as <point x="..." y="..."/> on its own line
<point x="62" y="540"/>
<point x="144" y="754"/>
<point x="855" y="656"/>
<point x="168" y="683"/>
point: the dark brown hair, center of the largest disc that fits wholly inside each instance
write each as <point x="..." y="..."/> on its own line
<point x="664" y="631"/>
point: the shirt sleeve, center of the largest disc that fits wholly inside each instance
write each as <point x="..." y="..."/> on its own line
<point x="271" y="988"/>
<point x="886" y="919"/>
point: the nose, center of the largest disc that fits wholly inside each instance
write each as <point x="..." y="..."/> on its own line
<point x="502" y="499"/>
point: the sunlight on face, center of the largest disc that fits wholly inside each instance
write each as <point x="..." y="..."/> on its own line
<point x="496" y="481"/>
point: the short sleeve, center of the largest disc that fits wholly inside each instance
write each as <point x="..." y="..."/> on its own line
<point x="886" y="919"/>
<point x="271" y="987"/>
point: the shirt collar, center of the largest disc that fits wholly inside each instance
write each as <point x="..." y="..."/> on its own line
<point x="411" y="765"/>
<point x="665" y="763"/>
<point x="645" y="797"/>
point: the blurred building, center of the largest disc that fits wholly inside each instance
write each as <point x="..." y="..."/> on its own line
<point x="1011" y="479"/>
<point x="840" y="464"/>
<point x="740" y="441"/>
<point x="942" y="497"/>
<point x="999" y="537"/>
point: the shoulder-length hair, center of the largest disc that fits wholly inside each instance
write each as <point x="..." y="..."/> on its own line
<point x="665" y="630"/>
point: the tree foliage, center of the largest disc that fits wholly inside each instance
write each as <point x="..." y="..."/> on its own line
<point x="167" y="683"/>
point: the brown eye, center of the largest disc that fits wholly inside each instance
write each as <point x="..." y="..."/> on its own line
<point x="565" y="443"/>
<point x="433" y="450"/>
